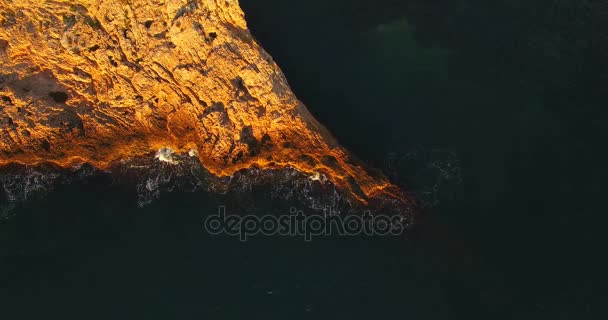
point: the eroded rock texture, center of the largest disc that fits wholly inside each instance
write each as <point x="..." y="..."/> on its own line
<point x="99" y="81"/>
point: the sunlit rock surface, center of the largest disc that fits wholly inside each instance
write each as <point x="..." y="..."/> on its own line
<point x="105" y="81"/>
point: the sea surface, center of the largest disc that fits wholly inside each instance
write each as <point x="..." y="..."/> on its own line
<point x="492" y="114"/>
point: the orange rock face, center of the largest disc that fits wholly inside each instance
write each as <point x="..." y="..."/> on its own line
<point x="99" y="81"/>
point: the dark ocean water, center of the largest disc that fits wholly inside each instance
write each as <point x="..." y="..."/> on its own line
<point x="493" y="114"/>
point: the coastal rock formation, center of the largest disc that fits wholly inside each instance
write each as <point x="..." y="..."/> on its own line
<point x="101" y="81"/>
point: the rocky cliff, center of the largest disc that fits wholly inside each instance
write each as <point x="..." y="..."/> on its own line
<point x="100" y="81"/>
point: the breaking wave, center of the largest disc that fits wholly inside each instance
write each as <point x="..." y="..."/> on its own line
<point x="151" y="178"/>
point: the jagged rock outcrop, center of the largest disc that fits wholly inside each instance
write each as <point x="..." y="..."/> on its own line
<point x="99" y="81"/>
